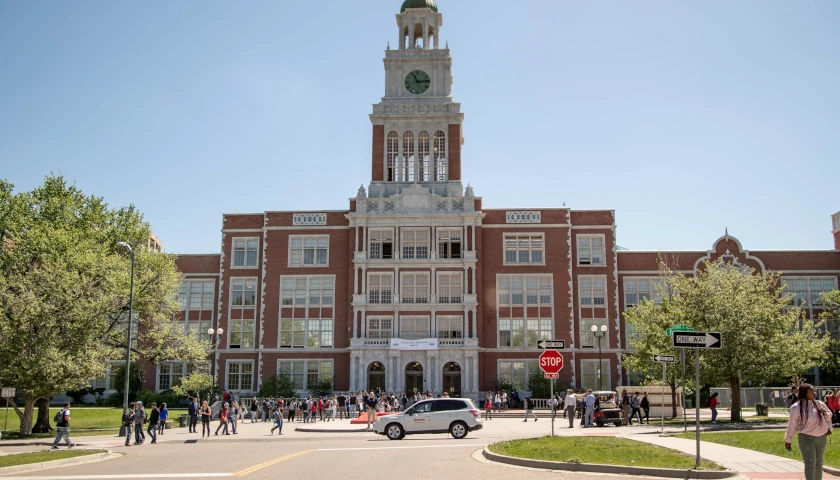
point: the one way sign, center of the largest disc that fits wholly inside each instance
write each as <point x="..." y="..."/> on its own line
<point x="697" y="340"/>
<point x="551" y="344"/>
<point x="664" y="358"/>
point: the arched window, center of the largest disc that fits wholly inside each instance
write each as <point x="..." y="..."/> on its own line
<point x="423" y="146"/>
<point x="393" y="152"/>
<point x="408" y="157"/>
<point x="440" y="156"/>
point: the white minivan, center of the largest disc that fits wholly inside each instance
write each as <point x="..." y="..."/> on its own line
<point x="456" y="416"/>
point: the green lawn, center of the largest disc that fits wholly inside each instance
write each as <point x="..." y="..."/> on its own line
<point x="45" y="456"/>
<point x="766" y="441"/>
<point x="83" y="422"/>
<point x="726" y="421"/>
<point x="599" y="450"/>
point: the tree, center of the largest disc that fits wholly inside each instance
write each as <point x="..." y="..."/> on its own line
<point x="135" y="381"/>
<point x="764" y="336"/>
<point x="539" y="386"/>
<point x="322" y="388"/>
<point x="64" y="286"/>
<point x="194" y="384"/>
<point x="830" y="364"/>
<point x="280" y="385"/>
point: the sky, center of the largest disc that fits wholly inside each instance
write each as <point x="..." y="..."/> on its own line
<point x="687" y="118"/>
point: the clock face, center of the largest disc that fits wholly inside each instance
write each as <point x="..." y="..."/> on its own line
<point x="417" y="82"/>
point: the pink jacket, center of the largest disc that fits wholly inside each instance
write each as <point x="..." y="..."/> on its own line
<point x="810" y="425"/>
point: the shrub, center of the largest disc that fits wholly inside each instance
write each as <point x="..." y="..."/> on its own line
<point x="280" y="385"/>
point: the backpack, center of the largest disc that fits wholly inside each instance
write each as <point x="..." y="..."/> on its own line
<point x="708" y="402"/>
<point x="59" y="416"/>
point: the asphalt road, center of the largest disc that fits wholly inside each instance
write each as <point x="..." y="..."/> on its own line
<point x="311" y="455"/>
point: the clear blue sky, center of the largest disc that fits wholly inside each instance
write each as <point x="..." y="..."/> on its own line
<point x="685" y="117"/>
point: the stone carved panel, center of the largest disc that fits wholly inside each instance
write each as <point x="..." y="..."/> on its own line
<point x="523" y="217"/>
<point x="306" y="219"/>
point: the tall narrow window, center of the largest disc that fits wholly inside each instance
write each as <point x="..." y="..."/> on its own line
<point x="440" y="156"/>
<point x="408" y="157"/>
<point x="393" y="152"/>
<point x="423" y="157"/>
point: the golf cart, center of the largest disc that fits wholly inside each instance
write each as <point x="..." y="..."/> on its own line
<point x="607" y="410"/>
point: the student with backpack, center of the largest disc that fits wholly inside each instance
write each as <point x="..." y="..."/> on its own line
<point x="139" y="420"/>
<point x="128" y="421"/>
<point x="164" y="414"/>
<point x="277" y="419"/>
<point x="645" y="404"/>
<point x="712" y="403"/>
<point x="62" y="427"/>
<point x="223" y="420"/>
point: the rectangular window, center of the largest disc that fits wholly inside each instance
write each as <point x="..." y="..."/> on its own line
<point x="590" y="372"/>
<point x="240" y="375"/>
<point x="242" y="333"/>
<point x="309" y="251"/>
<point x="379" y="328"/>
<point x="449" y="242"/>
<point x="381" y="244"/>
<point x="637" y="290"/>
<point x="295" y="370"/>
<point x="590" y="249"/>
<point x="450" y="327"/>
<point x="169" y="375"/>
<point x="517" y="372"/>
<point x="197" y="294"/>
<point x="511" y="333"/>
<point x="245" y="252"/>
<point x="314" y="297"/>
<point x="587" y="336"/>
<point x="515" y="290"/>
<point x="524" y="249"/>
<point x="450" y="287"/>
<point x="414" y="328"/>
<point x="415" y="288"/>
<point x="593" y="291"/>
<point x="306" y="373"/>
<point x="243" y="293"/>
<point x="380" y="288"/>
<point x="632" y="335"/>
<point x="806" y="292"/>
<point x="415" y="243"/>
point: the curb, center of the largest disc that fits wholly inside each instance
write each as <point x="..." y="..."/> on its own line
<point x="34" y="467"/>
<point x="316" y="430"/>
<point x="609" y="469"/>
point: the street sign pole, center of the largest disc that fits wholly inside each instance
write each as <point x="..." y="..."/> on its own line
<point x="682" y="364"/>
<point x="697" y="406"/>
<point x="664" y="376"/>
<point x="552" y="407"/>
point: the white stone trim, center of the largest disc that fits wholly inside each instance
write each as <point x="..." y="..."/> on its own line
<point x="534" y="217"/>
<point x="309" y="219"/>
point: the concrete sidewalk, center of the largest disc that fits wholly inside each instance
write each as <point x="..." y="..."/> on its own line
<point x="751" y="464"/>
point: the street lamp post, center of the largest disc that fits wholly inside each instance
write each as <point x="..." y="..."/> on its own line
<point x="599" y="334"/>
<point x="130" y="315"/>
<point x="214" y="339"/>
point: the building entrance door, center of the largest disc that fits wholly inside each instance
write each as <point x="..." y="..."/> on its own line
<point x="376" y="377"/>
<point x="452" y="379"/>
<point x="414" y="377"/>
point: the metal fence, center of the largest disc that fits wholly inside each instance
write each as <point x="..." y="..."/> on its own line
<point x="774" y="397"/>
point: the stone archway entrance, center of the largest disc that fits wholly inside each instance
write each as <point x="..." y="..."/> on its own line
<point x="452" y="379"/>
<point x="376" y="377"/>
<point x="413" y="377"/>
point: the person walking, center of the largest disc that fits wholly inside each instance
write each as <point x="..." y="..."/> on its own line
<point x="154" y="418"/>
<point x="645" y="403"/>
<point x="589" y="402"/>
<point x="529" y="409"/>
<point x="488" y="408"/>
<point x="223" y="420"/>
<point x="810" y="420"/>
<point x="570" y="403"/>
<point x="206" y="412"/>
<point x="192" y="411"/>
<point x="128" y="421"/>
<point x="625" y="408"/>
<point x="62" y="427"/>
<point x="713" y="403"/>
<point x="636" y="405"/>
<point x="277" y="419"/>
<point x="139" y="419"/>
<point x="233" y="417"/>
<point x="834" y="406"/>
<point x="164" y="414"/>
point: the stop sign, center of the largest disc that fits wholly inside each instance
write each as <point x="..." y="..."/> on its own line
<point x="551" y="361"/>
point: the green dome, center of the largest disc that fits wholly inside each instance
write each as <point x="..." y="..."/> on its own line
<point x="419" y="4"/>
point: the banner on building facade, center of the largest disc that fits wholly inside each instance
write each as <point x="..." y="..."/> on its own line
<point x="421" y="344"/>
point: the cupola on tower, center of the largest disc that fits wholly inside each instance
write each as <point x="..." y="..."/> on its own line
<point x="417" y="126"/>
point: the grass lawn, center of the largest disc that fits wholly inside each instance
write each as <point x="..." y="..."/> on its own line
<point x="45" y="456"/>
<point x="766" y="441"/>
<point x="84" y="422"/>
<point x="599" y="450"/>
<point x="726" y="421"/>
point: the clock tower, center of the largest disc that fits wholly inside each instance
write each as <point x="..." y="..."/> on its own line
<point x="417" y="126"/>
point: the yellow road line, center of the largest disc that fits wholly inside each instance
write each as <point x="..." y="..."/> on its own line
<point x="269" y="463"/>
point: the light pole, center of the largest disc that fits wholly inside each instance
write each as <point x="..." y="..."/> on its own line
<point x="214" y="340"/>
<point x="599" y="334"/>
<point x="130" y="315"/>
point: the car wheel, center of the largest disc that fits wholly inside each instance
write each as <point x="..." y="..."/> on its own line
<point x="458" y="430"/>
<point x="599" y="421"/>
<point x="394" y="431"/>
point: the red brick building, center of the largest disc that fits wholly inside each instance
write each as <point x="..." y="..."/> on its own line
<point x="415" y="285"/>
